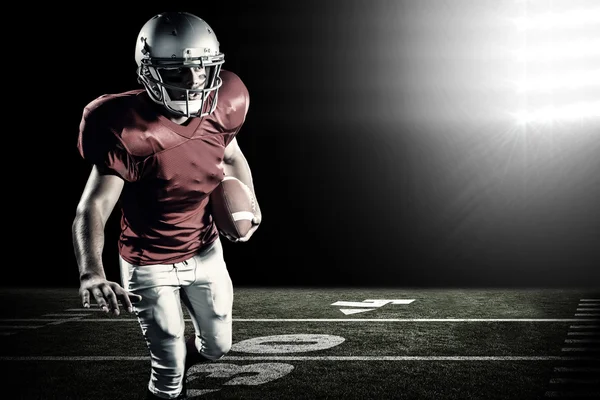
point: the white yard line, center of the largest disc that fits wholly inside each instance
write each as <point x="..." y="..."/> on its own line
<point x="20" y="326"/>
<point x="326" y="319"/>
<point x="576" y="369"/>
<point x="65" y="315"/>
<point x="575" y="394"/>
<point x="312" y="358"/>
<point x="584" y="326"/>
<point x="414" y="320"/>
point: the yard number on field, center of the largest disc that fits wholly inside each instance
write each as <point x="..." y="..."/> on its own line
<point x="258" y="374"/>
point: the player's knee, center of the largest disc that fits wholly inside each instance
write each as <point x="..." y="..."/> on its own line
<point x="218" y="349"/>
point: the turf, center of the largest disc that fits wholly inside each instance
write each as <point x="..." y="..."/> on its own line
<point x="391" y="352"/>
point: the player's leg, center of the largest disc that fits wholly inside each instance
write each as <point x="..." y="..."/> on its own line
<point x="161" y="320"/>
<point x="209" y="301"/>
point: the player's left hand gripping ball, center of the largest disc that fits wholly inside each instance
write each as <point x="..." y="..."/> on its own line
<point x="235" y="210"/>
<point x="255" y="223"/>
<point x="256" y="220"/>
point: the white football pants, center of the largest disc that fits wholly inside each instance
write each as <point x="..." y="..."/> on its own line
<point x="204" y="285"/>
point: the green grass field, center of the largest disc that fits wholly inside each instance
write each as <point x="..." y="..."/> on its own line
<point x="299" y="344"/>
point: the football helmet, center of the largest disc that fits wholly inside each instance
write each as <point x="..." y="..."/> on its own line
<point x="175" y="40"/>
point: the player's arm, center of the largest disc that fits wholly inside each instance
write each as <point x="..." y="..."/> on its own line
<point x="235" y="164"/>
<point x="97" y="202"/>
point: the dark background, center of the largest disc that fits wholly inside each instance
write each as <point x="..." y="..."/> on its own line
<point x="379" y="136"/>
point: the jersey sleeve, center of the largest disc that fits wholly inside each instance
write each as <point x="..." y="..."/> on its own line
<point x="98" y="145"/>
<point x="235" y="101"/>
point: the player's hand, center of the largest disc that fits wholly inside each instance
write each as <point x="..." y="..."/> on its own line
<point x="255" y="223"/>
<point x="106" y="294"/>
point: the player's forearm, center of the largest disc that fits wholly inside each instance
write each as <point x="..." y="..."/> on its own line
<point x="88" y="243"/>
<point x="239" y="169"/>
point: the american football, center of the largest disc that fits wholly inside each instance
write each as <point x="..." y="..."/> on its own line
<point x="232" y="207"/>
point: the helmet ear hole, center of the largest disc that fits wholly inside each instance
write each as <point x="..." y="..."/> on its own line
<point x="147" y="79"/>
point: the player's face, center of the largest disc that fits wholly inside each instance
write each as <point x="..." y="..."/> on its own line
<point x="185" y="78"/>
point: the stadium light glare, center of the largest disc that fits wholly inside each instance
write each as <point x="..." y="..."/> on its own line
<point x="556" y="81"/>
<point x="567" y="19"/>
<point x="564" y="113"/>
<point x="557" y="51"/>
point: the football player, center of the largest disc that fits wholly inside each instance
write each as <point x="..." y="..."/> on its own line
<point x="158" y="151"/>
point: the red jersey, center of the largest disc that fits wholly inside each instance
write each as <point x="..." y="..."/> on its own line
<point x="169" y="169"/>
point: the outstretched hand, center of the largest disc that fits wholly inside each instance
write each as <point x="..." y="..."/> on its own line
<point x="106" y="294"/>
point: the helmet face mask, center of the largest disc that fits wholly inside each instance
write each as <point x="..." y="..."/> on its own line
<point x="167" y="45"/>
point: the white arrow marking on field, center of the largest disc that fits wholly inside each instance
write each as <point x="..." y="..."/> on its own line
<point x="367" y="303"/>
<point x="403" y="301"/>
<point x="351" y="311"/>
